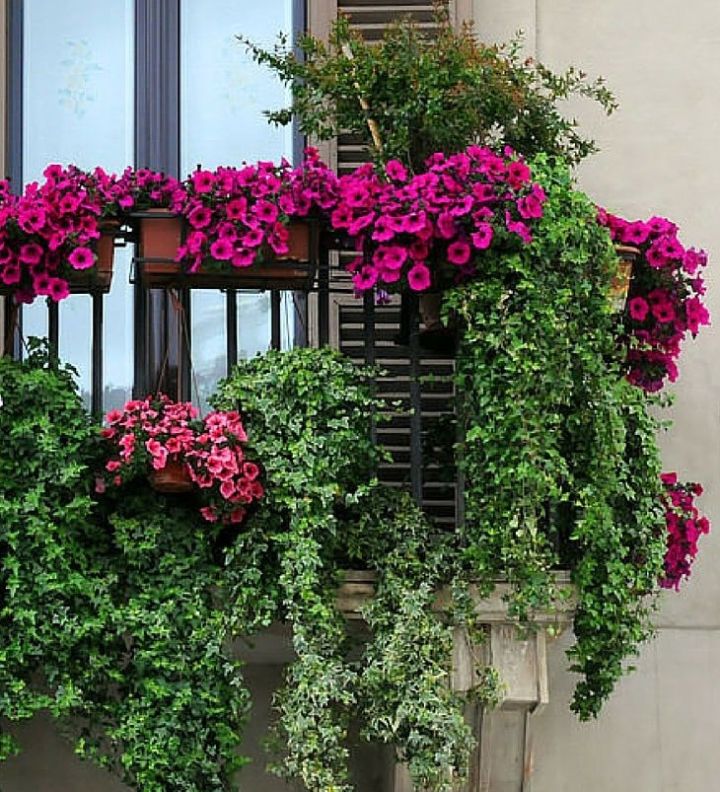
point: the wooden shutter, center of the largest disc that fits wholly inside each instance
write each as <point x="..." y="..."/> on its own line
<point x="348" y="333"/>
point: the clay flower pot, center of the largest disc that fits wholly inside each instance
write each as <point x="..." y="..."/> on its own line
<point x="161" y="233"/>
<point x="173" y="478"/>
<point x="99" y="277"/>
<point x="620" y="286"/>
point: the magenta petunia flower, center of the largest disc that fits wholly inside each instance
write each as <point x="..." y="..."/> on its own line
<point x="200" y="217"/>
<point x="236" y="209"/>
<point x="10" y="275"/>
<point x="663" y="312"/>
<point x="266" y="212"/>
<point x="447" y="227"/>
<point x="396" y="171"/>
<point x="390" y="257"/>
<point x="530" y="207"/>
<point x="518" y="174"/>
<point x="655" y="257"/>
<point x="383" y="230"/>
<point x="31" y="253"/>
<point x="203" y="181"/>
<point x="418" y="278"/>
<point x="366" y="278"/>
<point x="222" y="249"/>
<point x="636" y="233"/>
<point x="458" y="252"/>
<point x="254" y="238"/>
<point x="81" y="258"/>
<point x="638" y="309"/>
<point x="483" y="237"/>
<point x="243" y="257"/>
<point x="671" y="248"/>
<point x="32" y="219"/>
<point x="58" y="289"/>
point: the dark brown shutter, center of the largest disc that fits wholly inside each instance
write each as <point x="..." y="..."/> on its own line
<point x="369" y="18"/>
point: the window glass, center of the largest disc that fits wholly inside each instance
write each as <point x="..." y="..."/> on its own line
<point x="223" y="96"/>
<point x="78" y="83"/>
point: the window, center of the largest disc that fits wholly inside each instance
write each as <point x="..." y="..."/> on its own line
<point x="164" y="84"/>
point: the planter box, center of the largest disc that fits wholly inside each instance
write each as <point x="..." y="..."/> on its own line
<point x="99" y="277"/>
<point x="161" y="233"/>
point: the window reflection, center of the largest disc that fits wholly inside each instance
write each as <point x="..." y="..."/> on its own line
<point x="78" y="98"/>
<point x="223" y="98"/>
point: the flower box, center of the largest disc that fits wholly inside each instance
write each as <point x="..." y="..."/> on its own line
<point x="99" y="277"/>
<point x="161" y="233"/>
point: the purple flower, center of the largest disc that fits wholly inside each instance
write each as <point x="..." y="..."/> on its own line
<point x="366" y="278"/>
<point x="638" y="308"/>
<point x="482" y="238"/>
<point x="203" y="181"/>
<point x="200" y="217"/>
<point x="396" y="171"/>
<point x="530" y="207"/>
<point x="222" y="249"/>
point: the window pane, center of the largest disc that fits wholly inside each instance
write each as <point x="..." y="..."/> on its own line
<point x="223" y="92"/>
<point x="75" y="347"/>
<point x="209" y="349"/>
<point x="223" y="96"/>
<point x="253" y="322"/>
<point x="78" y="86"/>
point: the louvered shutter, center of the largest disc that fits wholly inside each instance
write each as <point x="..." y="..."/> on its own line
<point x="369" y="18"/>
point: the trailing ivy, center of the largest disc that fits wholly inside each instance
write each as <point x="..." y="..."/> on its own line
<point x="558" y="447"/>
<point x="114" y="619"/>
<point x="308" y="414"/>
<point x="406" y="698"/>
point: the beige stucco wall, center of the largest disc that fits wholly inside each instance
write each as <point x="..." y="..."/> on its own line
<point x="659" y="155"/>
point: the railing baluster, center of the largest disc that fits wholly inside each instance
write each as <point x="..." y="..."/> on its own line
<point x="275" y="319"/>
<point x="231" y="328"/>
<point x="96" y="394"/>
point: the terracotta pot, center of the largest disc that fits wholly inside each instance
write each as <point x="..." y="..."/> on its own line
<point x="99" y="277"/>
<point x="620" y="286"/>
<point x="173" y="478"/>
<point x="293" y="271"/>
<point x="161" y="234"/>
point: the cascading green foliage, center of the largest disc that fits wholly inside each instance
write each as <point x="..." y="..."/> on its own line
<point x="404" y="692"/>
<point x="118" y="613"/>
<point x="47" y="581"/>
<point x="308" y="414"/>
<point x="112" y="618"/>
<point x="556" y="441"/>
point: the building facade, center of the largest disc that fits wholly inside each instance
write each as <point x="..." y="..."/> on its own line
<point x="114" y="82"/>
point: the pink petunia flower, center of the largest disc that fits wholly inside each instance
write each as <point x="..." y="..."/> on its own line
<point x="418" y="278"/>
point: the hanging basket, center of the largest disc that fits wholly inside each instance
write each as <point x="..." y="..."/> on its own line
<point x="172" y="479"/>
<point x="620" y="286"/>
<point x="97" y="278"/>
<point x="161" y="233"/>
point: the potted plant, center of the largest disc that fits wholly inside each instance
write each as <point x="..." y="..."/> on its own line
<point x="418" y="94"/>
<point x="178" y="452"/>
<point x="56" y="238"/>
<point x="251" y="227"/>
